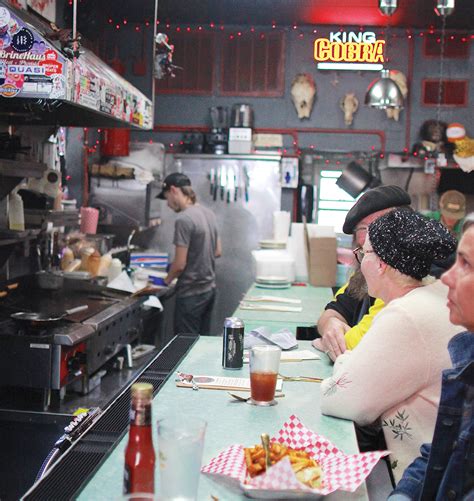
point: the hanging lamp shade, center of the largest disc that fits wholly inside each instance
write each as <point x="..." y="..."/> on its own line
<point x="388" y="7"/>
<point x="384" y="93"/>
<point x="444" y="7"/>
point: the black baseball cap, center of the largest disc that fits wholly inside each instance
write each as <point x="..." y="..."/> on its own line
<point x="174" y="179"/>
<point x="380" y="198"/>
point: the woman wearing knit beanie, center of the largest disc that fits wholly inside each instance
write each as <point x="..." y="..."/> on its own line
<point x="393" y="377"/>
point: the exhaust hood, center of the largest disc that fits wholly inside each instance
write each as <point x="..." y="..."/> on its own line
<point x="39" y="85"/>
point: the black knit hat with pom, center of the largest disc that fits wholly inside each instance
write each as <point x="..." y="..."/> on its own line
<point x="410" y="242"/>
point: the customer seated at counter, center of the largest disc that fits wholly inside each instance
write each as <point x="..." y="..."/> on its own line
<point x="445" y="469"/>
<point x="394" y="373"/>
<point x="348" y="317"/>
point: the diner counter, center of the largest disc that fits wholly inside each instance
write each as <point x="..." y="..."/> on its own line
<point x="231" y="421"/>
<point x="313" y="301"/>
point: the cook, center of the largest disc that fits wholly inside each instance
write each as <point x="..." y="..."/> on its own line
<point x="197" y="245"/>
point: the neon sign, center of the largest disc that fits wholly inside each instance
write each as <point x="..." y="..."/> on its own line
<point x="349" y="50"/>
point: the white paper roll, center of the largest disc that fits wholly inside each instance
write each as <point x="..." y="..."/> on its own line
<point x="281" y="225"/>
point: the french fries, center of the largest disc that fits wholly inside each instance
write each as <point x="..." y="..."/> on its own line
<point x="306" y="469"/>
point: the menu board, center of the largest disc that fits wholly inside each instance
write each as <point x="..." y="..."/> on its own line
<point x="29" y="65"/>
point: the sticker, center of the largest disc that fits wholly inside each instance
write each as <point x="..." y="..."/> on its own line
<point x="25" y="69"/>
<point x="16" y="80"/>
<point x="59" y="85"/>
<point x="4" y="17"/>
<point x="23" y="40"/>
<point x="8" y="90"/>
<point x="5" y="41"/>
<point x="50" y="63"/>
<point x="38" y="47"/>
<point x="13" y="26"/>
<point x="40" y="346"/>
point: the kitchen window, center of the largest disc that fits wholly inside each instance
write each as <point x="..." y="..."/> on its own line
<point x="253" y="64"/>
<point x="333" y="203"/>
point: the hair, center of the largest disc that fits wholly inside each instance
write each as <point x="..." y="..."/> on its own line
<point x="189" y="192"/>
<point x="468" y="221"/>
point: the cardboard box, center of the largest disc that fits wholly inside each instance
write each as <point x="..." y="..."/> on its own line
<point x="321" y="255"/>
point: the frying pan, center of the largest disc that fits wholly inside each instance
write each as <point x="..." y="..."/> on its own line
<point x="36" y="319"/>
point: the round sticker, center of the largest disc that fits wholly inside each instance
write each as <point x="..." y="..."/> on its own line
<point x="8" y="90"/>
<point x="23" y="40"/>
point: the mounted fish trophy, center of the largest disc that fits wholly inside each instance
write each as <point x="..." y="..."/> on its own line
<point x="349" y="105"/>
<point x="303" y="91"/>
<point x="401" y="80"/>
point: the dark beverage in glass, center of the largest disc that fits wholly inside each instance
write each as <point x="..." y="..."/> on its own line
<point x="139" y="472"/>
<point x="262" y="386"/>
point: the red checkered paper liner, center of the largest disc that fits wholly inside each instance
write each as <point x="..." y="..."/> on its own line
<point x="340" y="471"/>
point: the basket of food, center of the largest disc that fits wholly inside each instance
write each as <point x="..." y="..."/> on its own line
<point x="300" y="462"/>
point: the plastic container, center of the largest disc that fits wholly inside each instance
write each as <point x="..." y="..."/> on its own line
<point x="272" y="263"/>
<point x="115" y="269"/>
<point x="16" y="216"/>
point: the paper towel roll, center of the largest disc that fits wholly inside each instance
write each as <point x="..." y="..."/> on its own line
<point x="281" y="225"/>
<point x="295" y="247"/>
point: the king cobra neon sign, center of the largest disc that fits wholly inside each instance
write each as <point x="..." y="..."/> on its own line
<point x="349" y="50"/>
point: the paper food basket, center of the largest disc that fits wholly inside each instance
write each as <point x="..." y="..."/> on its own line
<point x="341" y="471"/>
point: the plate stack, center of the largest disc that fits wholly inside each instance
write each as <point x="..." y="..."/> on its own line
<point x="272" y="282"/>
<point x="272" y="244"/>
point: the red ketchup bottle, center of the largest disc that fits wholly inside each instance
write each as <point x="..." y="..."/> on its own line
<point x="139" y="473"/>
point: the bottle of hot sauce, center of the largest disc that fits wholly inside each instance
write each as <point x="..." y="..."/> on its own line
<point x="139" y="474"/>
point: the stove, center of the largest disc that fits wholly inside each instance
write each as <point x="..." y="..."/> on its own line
<point x="52" y="357"/>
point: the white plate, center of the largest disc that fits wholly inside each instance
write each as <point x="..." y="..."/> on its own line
<point x="273" y="286"/>
<point x="272" y="279"/>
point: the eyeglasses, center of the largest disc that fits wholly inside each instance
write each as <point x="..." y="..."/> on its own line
<point x="359" y="254"/>
<point x="360" y="228"/>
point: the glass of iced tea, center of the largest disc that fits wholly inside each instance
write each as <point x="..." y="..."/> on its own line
<point x="264" y="365"/>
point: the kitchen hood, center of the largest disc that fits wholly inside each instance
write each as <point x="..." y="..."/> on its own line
<point x="40" y="85"/>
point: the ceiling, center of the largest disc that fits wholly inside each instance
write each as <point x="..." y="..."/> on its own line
<point x="409" y="14"/>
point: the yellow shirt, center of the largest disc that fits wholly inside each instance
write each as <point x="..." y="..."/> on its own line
<point x="356" y="333"/>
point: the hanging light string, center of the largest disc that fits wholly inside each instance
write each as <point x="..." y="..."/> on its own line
<point x="441" y="69"/>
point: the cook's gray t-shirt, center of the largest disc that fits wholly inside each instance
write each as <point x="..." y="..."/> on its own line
<point x="196" y="229"/>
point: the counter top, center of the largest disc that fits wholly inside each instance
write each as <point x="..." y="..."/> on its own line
<point x="230" y="421"/>
<point x="313" y="301"/>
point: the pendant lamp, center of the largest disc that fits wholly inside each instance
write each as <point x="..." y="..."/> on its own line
<point x="444" y="7"/>
<point x="384" y="93"/>
<point x="388" y="7"/>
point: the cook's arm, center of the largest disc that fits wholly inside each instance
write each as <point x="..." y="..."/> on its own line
<point x="218" y="251"/>
<point x="178" y="265"/>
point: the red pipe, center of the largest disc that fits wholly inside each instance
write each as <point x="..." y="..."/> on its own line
<point x="411" y="62"/>
<point x="291" y="132"/>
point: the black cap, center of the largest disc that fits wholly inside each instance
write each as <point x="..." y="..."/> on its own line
<point x="410" y="242"/>
<point x="174" y="179"/>
<point x="380" y="198"/>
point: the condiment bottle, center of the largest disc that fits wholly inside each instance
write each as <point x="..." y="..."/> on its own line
<point x="139" y="473"/>
<point x="16" y="217"/>
<point x="93" y="263"/>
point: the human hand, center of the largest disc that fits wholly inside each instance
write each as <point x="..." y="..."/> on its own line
<point x="333" y="341"/>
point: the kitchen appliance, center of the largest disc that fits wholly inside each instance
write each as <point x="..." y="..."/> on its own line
<point x="216" y="139"/>
<point x="240" y="140"/>
<point x="52" y="357"/>
<point x="219" y="117"/>
<point x="242" y="116"/>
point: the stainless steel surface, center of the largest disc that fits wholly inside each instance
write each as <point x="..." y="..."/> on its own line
<point x="241" y="224"/>
<point x="209" y="156"/>
<point x="49" y="280"/>
<point x="242" y="115"/>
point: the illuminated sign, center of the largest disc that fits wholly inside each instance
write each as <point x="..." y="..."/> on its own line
<point x="349" y="50"/>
